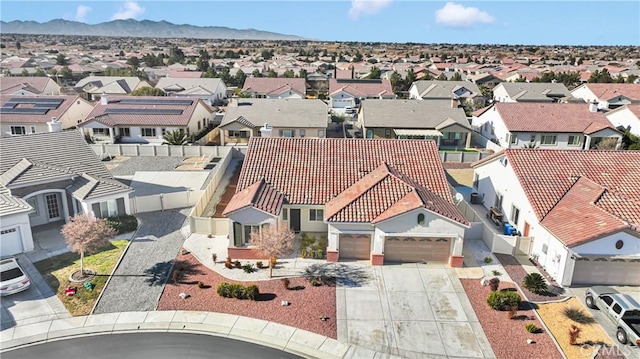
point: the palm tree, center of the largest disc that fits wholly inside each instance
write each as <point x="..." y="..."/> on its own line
<point x="175" y="138"/>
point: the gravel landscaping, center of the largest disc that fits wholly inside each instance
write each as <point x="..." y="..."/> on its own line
<point x="307" y="303"/>
<point x="517" y="273"/>
<point x="508" y="337"/>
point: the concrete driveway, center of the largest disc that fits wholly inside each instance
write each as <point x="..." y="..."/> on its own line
<point x="36" y="304"/>
<point x="411" y="310"/>
<point x="631" y="352"/>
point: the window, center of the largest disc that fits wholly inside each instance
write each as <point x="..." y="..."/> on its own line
<point x="513" y="139"/>
<point x="303" y="133"/>
<point x="515" y="214"/>
<point x="163" y="131"/>
<point x="285" y="214"/>
<point x="369" y="133"/>
<point x="148" y="132"/>
<point x="476" y="180"/>
<point x="607" y="299"/>
<point x="575" y="140"/>
<point x="533" y="138"/>
<point x="497" y="203"/>
<point x="545" y="248"/>
<point x="101" y="132"/>
<point x="321" y="133"/>
<point x="33" y="129"/>
<point x="125" y="132"/>
<point x="33" y="202"/>
<point x="199" y="126"/>
<point x="52" y="206"/>
<point x="487" y="126"/>
<point x="617" y="308"/>
<point x="287" y="133"/>
<point x="238" y="134"/>
<point x="421" y="218"/>
<point x="18" y="130"/>
<point x="7" y="231"/>
<point x="108" y="209"/>
<point x="387" y="133"/>
<point x="316" y="214"/>
<point x="548" y="140"/>
<point x="247" y="232"/>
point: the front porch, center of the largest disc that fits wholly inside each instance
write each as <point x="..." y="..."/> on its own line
<point x="48" y="241"/>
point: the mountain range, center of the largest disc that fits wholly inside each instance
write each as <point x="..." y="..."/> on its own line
<point x="135" y="28"/>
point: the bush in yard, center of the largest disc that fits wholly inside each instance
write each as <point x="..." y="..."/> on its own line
<point x="237" y="291"/>
<point x="123" y="224"/>
<point x="535" y="283"/>
<point x="248" y="268"/>
<point x="577" y="315"/>
<point x="224" y="290"/>
<point x="252" y="292"/>
<point x="501" y="300"/>
<point x="532" y="328"/>
<point x="494" y="283"/>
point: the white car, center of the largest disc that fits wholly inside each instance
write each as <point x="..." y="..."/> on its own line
<point x="12" y="278"/>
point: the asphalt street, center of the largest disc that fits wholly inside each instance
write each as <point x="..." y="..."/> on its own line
<point x="148" y="346"/>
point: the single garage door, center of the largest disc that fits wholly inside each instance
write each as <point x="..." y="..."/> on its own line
<point x="607" y="272"/>
<point x="355" y="246"/>
<point x="416" y="249"/>
<point x="10" y="241"/>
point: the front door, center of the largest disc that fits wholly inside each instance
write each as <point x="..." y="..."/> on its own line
<point x="526" y="230"/>
<point x="294" y="219"/>
<point x="53" y="206"/>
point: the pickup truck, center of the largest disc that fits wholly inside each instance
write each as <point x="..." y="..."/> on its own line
<point x="622" y="309"/>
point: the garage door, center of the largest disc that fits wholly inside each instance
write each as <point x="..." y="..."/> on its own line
<point x="608" y="272"/>
<point x="355" y="246"/>
<point x="416" y="249"/>
<point x="10" y="241"/>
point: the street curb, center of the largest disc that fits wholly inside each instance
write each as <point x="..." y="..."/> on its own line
<point x="116" y="267"/>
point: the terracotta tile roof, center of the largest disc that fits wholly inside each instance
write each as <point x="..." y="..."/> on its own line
<point x="273" y="84"/>
<point x="577" y="218"/>
<point x="606" y="91"/>
<point x="260" y="195"/>
<point x="550" y="117"/>
<point x="37" y="83"/>
<point x="55" y="111"/>
<point x="547" y="176"/>
<point x="361" y="88"/>
<point x="313" y="171"/>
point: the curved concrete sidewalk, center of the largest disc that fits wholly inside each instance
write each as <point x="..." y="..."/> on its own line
<point x="274" y="335"/>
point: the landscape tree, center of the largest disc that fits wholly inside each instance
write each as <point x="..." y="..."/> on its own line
<point x="630" y="141"/>
<point x="210" y="73"/>
<point x="24" y="73"/>
<point x="85" y="234"/>
<point x="409" y="79"/>
<point x="601" y="76"/>
<point x="456" y="77"/>
<point x="202" y="64"/>
<point x="256" y="73"/>
<point x="441" y="77"/>
<point x="176" y="55"/>
<point x="607" y="144"/>
<point x="289" y="74"/>
<point x="374" y="73"/>
<point x="396" y="82"/>
<point x="65" y="73"/>
<point x="266" y="54"/>
<point x="174" y="138"/>
<point x="273" y="241"/>
<point x="272" y="73"/>
<point x="18" y="45"/>
<point x="239" y="78"/>
<point x="61" y="60"/>
<point x="148" y="91"/>
<point x="40" y="72"/>
<point x="134" y="62"/>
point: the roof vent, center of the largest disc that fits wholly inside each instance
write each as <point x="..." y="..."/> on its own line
<point x="104" y="99"/>
<point x="593" y="106"/>
<point x="54" y="125"/>
<point x="266" y="130"/>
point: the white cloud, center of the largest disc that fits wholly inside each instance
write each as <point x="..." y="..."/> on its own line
<point x="81" y="12"/>
<point x="366" y="7"/>
<point x="129" y="10"/>
<point x="456" y="15"/>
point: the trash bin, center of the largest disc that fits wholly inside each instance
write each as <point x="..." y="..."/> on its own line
<point x="508" y="229"/>
<point x="474" y="198"/>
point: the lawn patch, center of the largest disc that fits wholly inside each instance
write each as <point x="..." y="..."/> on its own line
<point x="56" y="272"/>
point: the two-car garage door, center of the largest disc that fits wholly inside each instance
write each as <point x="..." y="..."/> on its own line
<point x="417" y="249"/>
<point x="606" y="271"/>
<point x="355" y="246"/>
<point x="10" y="241"/>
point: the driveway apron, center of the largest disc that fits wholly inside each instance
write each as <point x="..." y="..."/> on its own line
<point x="141" y="275"/>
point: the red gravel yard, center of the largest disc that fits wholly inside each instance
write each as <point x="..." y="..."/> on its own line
<point x="508" y="337"/>
<point x="307" y="303"/>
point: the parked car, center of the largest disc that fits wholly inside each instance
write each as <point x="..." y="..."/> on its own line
<point x="12" y="278"/>
<point x="622" y="309"/>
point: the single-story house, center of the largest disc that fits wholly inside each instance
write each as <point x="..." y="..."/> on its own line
<point x="246" y="118"/>
<point x="275" y="87"/>
<point x="144" y="119"/>
<point x="49" y="178"/>
<point x="93" y="87"/>
<point x="32" y="85"/>
<point x="531" y="92"/>
<point x="349" y="92"/>
<point x="572" y="126"/>
<point x="36" y="114"/>
<point x="463" y="91"/>
<point x="581" y="209"/>
<point x="210" y="90"/>
<point x="608" y="95"/>
<point x="439" y="120"/>
<point x="378" y="200"/>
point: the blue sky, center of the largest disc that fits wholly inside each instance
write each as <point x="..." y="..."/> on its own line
<point x="478" y="22"/>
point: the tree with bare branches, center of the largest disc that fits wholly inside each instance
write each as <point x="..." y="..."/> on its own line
<point x="273" y="241"/>
<point x="85" y="234"/>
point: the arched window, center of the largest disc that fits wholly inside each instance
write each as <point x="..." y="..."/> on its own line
<point x="421" y="218"/>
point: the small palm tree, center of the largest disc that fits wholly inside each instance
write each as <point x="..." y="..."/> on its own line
<point x="535" y="283"/>
<point x="530" y="145"/>
<point x="175" y="138"/>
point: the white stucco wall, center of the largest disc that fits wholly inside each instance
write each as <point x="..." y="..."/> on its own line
<point x="493" y="118"/>
<point x="342" y="100"/>
<point x="76" y="113"/>
<point x="607" y="246"/>
<point x="625" y="118"/>
<point x="20" y="220"/>
<point x="583" y="92"/>
<point x="501" y="95"/>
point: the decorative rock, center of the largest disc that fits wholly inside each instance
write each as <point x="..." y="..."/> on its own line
<point x="284" y="303"/>
<point x="324" y="318"/>
<point x="484" y="282"/>
<point x="184" y="295"/>
<point x="530" y="341"/>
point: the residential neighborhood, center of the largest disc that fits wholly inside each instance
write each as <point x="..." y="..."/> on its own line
<point x="320" y="199"/>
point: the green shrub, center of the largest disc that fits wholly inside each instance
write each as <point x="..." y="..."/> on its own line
<point x="488" y="260"/>
<point x="501" y="300"/>
<point x="532" y="328"/>
<point x="496" y="272"/>
<point x="123" y="224"/>
<point x="248" y="268"/>
<point x="577" y="315"/>
<point x="237" y="291"/>
<point x="252" y="292"/>
<point x="224" y="290"/>
<point x="535" y="283"/>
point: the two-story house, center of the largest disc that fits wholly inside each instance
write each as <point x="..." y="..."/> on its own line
<point x="626" y="117"/>
<point x="608" y="95"/>
<point x="545" y="125"/>
<point x="246" y="118"/>
<point x="580" y="209"/>
<point x="379" y="200"/>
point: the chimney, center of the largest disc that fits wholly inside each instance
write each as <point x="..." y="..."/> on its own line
<point x="54" y="125"/>
<point x="593" y="106"/>
<point x="104" y="99"/>
<point x="266" y="130"/>
<point x="454" y="102"/>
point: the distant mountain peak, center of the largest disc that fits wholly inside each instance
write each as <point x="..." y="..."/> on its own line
<point x="138" y="28"/>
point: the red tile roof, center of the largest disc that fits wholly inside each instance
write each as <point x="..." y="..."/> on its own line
<point x="362" y="88"/>
<point x="57" y="112"/>
<point x="260" y="195"/>
<point x="313" y="171"/>
<point x="37" y="83"/>
<point x="606" y="91"/>
<point x="271" y="84"/>
<point x="548" y="176"/>
<point x="550" y="117"/>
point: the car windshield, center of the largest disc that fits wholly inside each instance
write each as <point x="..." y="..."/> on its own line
<point x="11" y="274"/>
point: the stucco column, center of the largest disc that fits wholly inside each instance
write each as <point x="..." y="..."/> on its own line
<point x="221" y="137"/>
<point x="332" y="247"/>
<point x="111" y="131"/>
<point x="457" y="259"/>
<point x="587" y="142"/>
<point x="468" y="141"/>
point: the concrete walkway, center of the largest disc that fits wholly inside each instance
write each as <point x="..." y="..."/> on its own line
<point x="137" y="283"/>
<point x="274" y="335"/>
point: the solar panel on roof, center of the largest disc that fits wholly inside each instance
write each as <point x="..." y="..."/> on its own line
<point x="23" y="111"/>
<point x="56" y="101"/>
<point x="144" y="111"/>
<point x="151" y="101"/>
